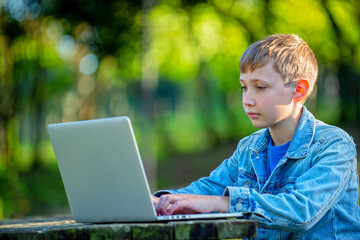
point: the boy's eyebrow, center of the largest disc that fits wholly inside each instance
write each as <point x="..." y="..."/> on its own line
<point x="254" y="80"/>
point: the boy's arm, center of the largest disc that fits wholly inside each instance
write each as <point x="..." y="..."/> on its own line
<point x="215" y="184"/>
<point x="204" y="195"/>
<point x="326" y="182"/>
<point x="189" y="204"/>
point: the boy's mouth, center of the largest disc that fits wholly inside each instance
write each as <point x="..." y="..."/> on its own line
<point x="253" y="115"/>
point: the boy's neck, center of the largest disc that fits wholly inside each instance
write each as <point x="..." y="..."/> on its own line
<point x="284" y="132"/>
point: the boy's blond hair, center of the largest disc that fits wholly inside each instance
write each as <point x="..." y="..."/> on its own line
<point x="292" y="57"/>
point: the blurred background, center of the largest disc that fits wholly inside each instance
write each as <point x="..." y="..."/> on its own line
<point x="171" y="66"/>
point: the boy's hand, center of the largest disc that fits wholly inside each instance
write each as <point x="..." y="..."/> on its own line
<point x="187" y="204"/>
<point x="155" y="200"/>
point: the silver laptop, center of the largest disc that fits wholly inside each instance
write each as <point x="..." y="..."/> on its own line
<point x="103" y="174"/>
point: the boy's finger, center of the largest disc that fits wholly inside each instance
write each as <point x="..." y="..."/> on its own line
<point x="163" y="203"/>
<point x="178" y="207"/>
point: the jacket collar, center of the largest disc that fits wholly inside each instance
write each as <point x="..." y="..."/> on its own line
<point x="301" y="141"/>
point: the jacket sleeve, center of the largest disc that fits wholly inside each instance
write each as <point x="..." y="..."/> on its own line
<point x="320" y="188"/>
<point x="215" y="184"/>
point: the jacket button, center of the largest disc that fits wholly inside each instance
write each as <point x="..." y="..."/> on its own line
<point x="238" y="207"/>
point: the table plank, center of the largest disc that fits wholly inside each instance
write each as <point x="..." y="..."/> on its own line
<point x="67" y="228"/>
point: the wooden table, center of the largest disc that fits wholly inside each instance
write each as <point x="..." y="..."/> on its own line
<point x="66" y="228"/>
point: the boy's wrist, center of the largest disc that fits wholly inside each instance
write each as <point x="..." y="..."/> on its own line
<point x="222" y="204"/>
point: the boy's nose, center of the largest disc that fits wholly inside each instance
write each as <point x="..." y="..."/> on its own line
<point x="248" y="99"/>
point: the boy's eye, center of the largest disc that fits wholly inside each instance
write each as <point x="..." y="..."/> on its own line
<point x="261" y="87"/>
<point x="242" y="88"/>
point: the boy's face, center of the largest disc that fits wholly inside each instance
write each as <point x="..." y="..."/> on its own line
<point x="266" y="100"/>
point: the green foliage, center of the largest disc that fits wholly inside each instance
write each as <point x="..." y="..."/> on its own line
<point x="171" y="66"/>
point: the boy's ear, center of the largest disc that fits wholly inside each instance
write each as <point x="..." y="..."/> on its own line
<point x="301" y="90"/>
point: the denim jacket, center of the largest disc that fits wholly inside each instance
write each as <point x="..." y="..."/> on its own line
<point x="313" y="193"/>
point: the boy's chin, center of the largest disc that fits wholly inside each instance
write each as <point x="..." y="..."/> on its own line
<point x="258" y="124"/>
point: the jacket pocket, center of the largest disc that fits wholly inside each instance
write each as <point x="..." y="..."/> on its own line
<point x="282" y="186"/>
<point x="246" y="179"/>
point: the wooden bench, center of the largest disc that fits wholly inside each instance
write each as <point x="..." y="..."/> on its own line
<point x="66" y="228"/>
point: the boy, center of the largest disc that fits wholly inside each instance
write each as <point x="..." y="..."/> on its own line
<point x="297" y="176"/>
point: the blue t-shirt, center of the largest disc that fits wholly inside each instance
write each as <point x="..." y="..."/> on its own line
<point x="275" y="153"/>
